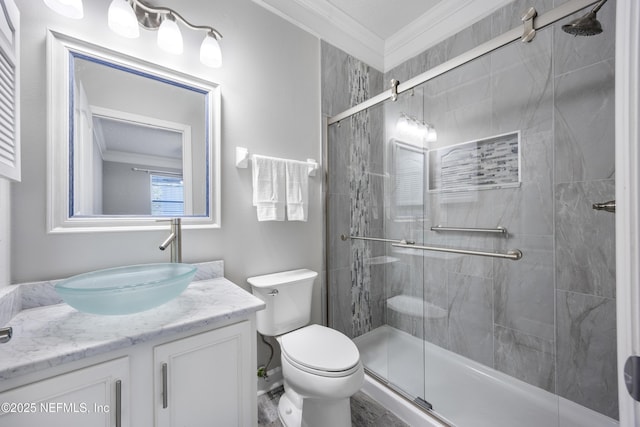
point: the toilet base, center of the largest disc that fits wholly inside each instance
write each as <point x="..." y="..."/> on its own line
<point x="316" y="413"/>
<point x="290" y="415"/>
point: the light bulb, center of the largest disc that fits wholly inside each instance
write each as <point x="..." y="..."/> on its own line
<point x="69" y="8"/>
<point x="122" y="19"/>
<point x="169" y="36"/>
<point x="210" y="53"/>
<point x="432" y="135"/>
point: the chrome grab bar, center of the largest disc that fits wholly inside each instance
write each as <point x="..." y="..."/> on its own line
<point x="497" y="230"/>
<point x="377" y="239"/>
<point x="512" y="254"/>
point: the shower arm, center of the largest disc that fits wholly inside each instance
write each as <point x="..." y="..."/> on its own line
<point x="597" y="7"/>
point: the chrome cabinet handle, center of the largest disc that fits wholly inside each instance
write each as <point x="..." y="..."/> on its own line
<point x="609" y="206"/>
<point x="119" y="403"/>
<point x="165" y="387"/>
<point x="6" y="334"/>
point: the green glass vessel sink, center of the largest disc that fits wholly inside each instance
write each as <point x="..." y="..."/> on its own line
<point x="125" y="290"/>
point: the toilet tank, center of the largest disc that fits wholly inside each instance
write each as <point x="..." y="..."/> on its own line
<point x="288" y="298"/>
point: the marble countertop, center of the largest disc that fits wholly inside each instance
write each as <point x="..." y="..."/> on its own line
<point x="46" y="336"/>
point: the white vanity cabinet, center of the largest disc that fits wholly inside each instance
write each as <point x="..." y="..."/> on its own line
<point x="97" y="395"/>
<point x="203" y="379"/>
<point x="206" y="379"/>
<point x="191" y="362"/>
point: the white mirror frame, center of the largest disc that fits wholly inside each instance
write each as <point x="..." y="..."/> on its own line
<point x="59" y="47"/>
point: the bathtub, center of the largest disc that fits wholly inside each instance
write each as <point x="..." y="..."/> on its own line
<point x="468" y="393"/>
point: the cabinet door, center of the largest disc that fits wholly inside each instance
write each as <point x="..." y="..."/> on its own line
<point x="94" y="396"/>
<point x="205" y="380"/>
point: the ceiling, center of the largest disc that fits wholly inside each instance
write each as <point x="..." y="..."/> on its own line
<point x="148" y="145"/>
<point x="383" y="33"/>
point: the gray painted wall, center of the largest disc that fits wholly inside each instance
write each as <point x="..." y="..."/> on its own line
<point x="270" y="86"/>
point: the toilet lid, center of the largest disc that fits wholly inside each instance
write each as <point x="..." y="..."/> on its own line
<point x="320" y="348"/>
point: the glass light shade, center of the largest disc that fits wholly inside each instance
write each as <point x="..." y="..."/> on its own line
<point x="122" y="19"/>
<point x="210" y="53"/>
<point x="69" y="8"/>
<point x="432" y="135"/>
<point x="170" y="37"/>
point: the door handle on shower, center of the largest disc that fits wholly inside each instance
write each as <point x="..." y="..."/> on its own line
<point x="609" y="206"/>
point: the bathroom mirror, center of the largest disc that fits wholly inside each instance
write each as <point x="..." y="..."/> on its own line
<point x="130" y="143"/>
<point x="409" y="175"/>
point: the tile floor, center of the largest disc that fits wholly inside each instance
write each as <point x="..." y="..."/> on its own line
<point x="365" y="412"/>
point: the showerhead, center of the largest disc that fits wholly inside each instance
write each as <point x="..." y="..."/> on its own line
<point x="587" y="25"/>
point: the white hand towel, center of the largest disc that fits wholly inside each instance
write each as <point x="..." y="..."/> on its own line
<point x="268" y="187"/>
<point x="297" y="190"/>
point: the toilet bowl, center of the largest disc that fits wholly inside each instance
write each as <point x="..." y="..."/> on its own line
<point x="321" y="367"/>
<point x="322" y="370"/>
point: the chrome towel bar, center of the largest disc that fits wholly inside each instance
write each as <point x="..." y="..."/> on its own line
<point x="377" y="239"/>
<point x="497" y="230"/>
<point x="512" y="254"/>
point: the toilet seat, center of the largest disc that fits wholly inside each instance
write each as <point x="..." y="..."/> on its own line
<point x="320" y="351"/>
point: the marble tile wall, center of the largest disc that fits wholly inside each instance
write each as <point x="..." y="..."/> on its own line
<point x="548" y="319"/>
<point x="354" y="194"/>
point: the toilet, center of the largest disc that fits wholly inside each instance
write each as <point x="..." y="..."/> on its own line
<point x="321" y="367"/>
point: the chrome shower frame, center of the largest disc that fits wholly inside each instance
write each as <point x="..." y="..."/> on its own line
<point x="530" y="23"/>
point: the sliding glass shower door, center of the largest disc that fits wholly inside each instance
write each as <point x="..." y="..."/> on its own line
<point x="502" y="156"/>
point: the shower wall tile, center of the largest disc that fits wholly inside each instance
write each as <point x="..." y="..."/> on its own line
<point x="536" y="214"/>
<point x="586" y="351"/>
<point x="528" y="358"/>
<point x="339" y="224"/>
<point x="572" y="53"/>
<point x="436" y="322"/>
<point x="524" y="290"/>
<point x="340" y="300"/>
<point x="335" y="94"/>
<point x="522" y="87"/>
<point x="378" y="300"/>
<point x="338" y="159"/>
<point x="471" y="317"/>
<point x="467" y="123"/>
<point x="585" y="239"/>
<point x="584" y="124"/>
<point x="410" y="324"/>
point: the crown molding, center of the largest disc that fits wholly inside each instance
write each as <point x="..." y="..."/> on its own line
<point x="325" y="21"/>
<point x="439" y="23"/>
<point x="328" y="23"/>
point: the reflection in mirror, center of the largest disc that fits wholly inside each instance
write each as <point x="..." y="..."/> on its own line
<point x="409" y="173"/>
<point x="112" y="135"/>
<point x="141" y="141"/>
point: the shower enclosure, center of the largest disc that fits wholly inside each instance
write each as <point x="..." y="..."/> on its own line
<point x="464" y="256"/>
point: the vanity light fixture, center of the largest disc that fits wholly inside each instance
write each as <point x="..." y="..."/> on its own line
<point x="126" y="15"/>
<point x="69" y="8"/>
<point x="122" y="20"/>
<point x="169" y="36"/>
<point x="416" y="131"/>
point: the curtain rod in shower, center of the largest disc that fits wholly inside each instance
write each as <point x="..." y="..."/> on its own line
<point x="554" y="15"/>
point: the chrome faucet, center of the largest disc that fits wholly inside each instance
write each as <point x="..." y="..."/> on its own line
<point x="175" y="240"/>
